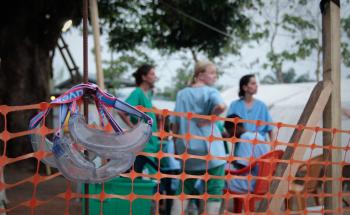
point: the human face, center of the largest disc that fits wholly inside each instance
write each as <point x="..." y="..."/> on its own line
<point x="150" y="78"/>
<point x="208" y="77"/>
<point x="252" y="87"/>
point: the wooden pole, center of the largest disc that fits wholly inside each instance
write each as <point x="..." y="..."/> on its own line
<point x="311" y="115"/>
<point x="85" y="80"/>
<point x="332" y="115"/>
<point x="97" y="47"/>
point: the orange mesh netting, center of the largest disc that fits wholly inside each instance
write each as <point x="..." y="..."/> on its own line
<point x="31" y="191"/>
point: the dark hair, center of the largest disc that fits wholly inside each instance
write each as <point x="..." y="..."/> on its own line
<point x="141" y="71"/>
<point x="244" y="82"/>
<point x="230" y="125"/>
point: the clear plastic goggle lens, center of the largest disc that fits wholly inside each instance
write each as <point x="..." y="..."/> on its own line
<point x="40" y="143"/>
<point x="74" y="166"/>
<point x="109" y="145"/>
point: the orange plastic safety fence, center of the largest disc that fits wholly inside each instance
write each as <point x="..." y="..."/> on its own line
<point x="32" y="193"/>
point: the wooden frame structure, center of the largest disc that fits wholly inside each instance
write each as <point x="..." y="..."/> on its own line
<point x="332" y="115"/>
<point x="324" y="102"/>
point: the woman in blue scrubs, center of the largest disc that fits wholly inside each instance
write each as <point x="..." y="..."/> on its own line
<point x="200" y="98"/>
<point x="250" y="108"/>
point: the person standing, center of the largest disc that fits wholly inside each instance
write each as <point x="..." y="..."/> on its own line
<point x="200" y="98"/>
<point x="250" y="108"/>
<point x="145" y="78"/>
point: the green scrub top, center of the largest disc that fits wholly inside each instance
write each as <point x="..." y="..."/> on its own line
<point x="138" y="97"/>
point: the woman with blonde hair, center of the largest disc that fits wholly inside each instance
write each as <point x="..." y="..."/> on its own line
<point x="200" y="98"/>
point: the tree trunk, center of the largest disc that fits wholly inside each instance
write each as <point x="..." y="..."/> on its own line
<point x="318" y="64"/>
<point x="276" y="25"/>
<point x="279" y="74"/>
<point x="194" y="55"/>
<point x="24" y="73"/>
<point x="28" y="34"/>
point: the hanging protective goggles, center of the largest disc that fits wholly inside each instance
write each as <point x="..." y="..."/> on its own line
<point x="120" y="147"/>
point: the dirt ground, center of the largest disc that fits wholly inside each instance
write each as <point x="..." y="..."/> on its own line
<point x="45" y="190"/>
<point x="57" y="206"/>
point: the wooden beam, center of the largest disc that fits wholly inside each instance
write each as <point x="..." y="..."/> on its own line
<point x="311" y="115"/>
<point x="332" y="115"/>
<point x="97" y="46"/>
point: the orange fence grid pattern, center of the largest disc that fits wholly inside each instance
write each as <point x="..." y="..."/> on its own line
<point x="69" y="194"/>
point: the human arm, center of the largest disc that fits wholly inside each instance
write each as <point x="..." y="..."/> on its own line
<point x="269" y="129"/>
<point x="271" y="135"/>
<point x="174" y="120"/>
<point x="216" y="102"/>
<point x="217" y="105"/>
<point x="126" y="119"/>
<point x="175" y="130"/>
<point x="218" y="109"/>
<point x="133" y="100"/>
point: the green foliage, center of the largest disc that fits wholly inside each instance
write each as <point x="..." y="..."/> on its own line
<point x="183" y="76"/>
<point x="269" y="79"/>
<point x="181" y="80"/>
<point x="304" y="44"/>
<point x="167" y="94"/>
<point x="302" y="2"/>
<point x="289" y="76"/>
<point x="211" y="28"/>
<point x="173" y="25"/>
<point x="345" y="45"/>
<point x="292" y="21"/>
<point x="303" y="78"/>
<point x="128" y="61"/>
<point x="125" y="22"/>
<point x="345" y="51"/>
<point x="214" y="28"/>
<point x="298" y="23"/>
<point x="345" y="22"/>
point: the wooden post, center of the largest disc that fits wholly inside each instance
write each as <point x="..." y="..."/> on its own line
<point x="311" y="115"/>
<point x="332" y="115"/>
<point x="85" y="80"/>
<point x="97" y="47"/>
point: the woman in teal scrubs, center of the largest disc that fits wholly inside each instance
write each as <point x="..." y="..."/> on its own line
<point x="145" y="77"/>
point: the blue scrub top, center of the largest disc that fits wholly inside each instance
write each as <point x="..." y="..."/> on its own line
<point x="199" y="100"/>
<point x="258" y="111"/>
<point x="248" y="150"/>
